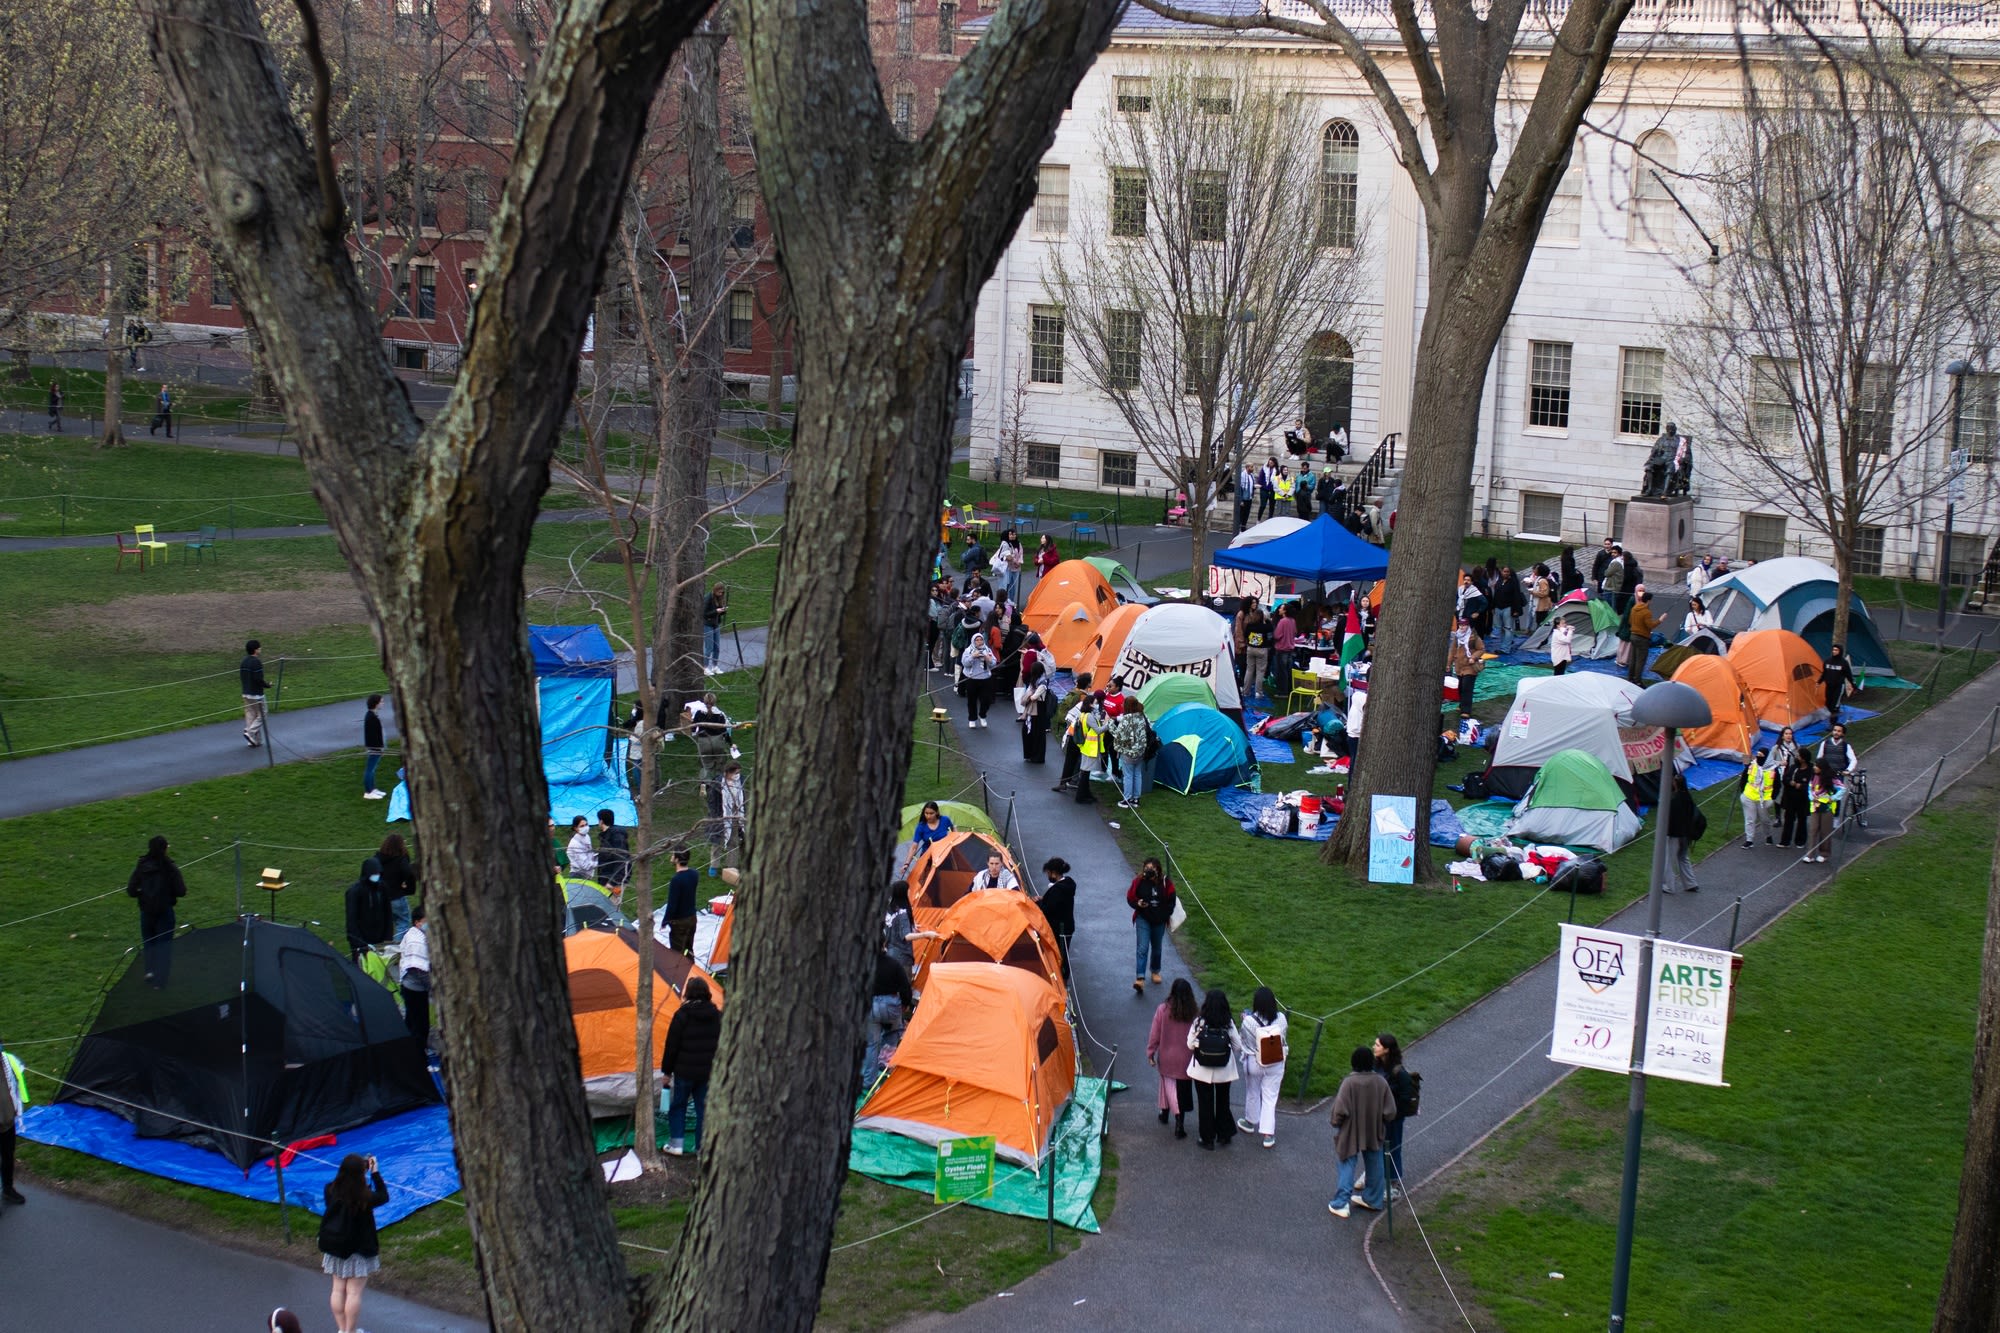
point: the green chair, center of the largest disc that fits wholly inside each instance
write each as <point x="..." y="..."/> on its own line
<point x="205" y="540"/>
<point x="142" y="533"/>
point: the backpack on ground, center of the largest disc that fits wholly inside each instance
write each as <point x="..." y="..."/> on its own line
<point x="1278" y="820"/>
<point x="1447" y="750"/>
<point x="1475" y="787"/>
<point x="1585" y="875"/>
<point x="1211" y="1048"/>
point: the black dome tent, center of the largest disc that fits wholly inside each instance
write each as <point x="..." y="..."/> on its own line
<point x="263" y="1034"/>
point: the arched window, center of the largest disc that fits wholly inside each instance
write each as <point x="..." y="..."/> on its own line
<point x="1651" y="220"/>
<point x="1329" y="384"/>
<point x="1339" y="183"/>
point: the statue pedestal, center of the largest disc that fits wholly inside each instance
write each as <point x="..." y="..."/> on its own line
<point x="1658" y="532"/>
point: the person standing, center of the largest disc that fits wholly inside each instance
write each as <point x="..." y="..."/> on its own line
<point x="1685" y="824"/>
<point x="55" y="407"/>
<point x="350" y="1252"/>
<point x="678" y="914"/>
<point x="1794" y="778"/>
<point x="693" y="1034"/>
<point x="1046" y="555"/>
<point x="1511" y="599"/>
<point x="1132" y="738"/>
<point x="1823" y="794"/>
<point x="735" y="823"/>
<point x="156" y="882"/>
<point x="1264" y="1052"/>
<point x="1639" y="625"/>
<point x="1246" y="487"/>
<point x="1836" y="750"/>
<point x="373" y="743"/>
<point x="1600" y="565"/>
<point x="250" y="675"/>
<point x="1302" y="490"/>
<point x="1093" y="730"/>
<point x="614" y="852"/>
<point x="1284" y="639"/>
<point x="163" y="414"/>
<point x="1403" y="1091"/>
<point x="1032" y="707"/>
<point x="1760" y="792"/>
<point x="1267" y="489"/>
<point x="369" y="920"/>
<point x="1071" y="710"/>
<point x="1167" y="1051"/>
<point x="1614" y="583"/>
<point x="414" y="952"/>
<point x="1151" y="898"/>
<point x="1363" y="1108"/>
<point x="1008" y="558"/>
<point x="1256" y="650"/>
<point x="714" y="607"/>
<point x="977" y="664"/>
<point x="1468" y="655"/>
<point x="1569" y="578"/>
<point x="1542" y="591"/>
<point x="399" y="880"/>
<point x="932" y="826"/>
<point x="1216" y="1048"/>
<point x="582" y="856"/>
<point x="889" y="1001"/>
<point x="1838" y="678"/>
<point x="14" y="1081"/>
<point x="1058" y="904"/>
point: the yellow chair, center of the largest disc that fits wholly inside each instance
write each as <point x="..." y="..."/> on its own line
<point x="142" y="533"/>
<point x="1305" y="685"/>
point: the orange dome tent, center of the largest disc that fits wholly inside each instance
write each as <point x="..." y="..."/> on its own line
<point x="1112" y="631"/>
<point x="1069" y="639"/>
<point x="1780" y="674"/>
<point x="1004" y="927"/>
<point x="989" y="1052"/>
<point x="1070" y="581"/>
<point x="604" y="1002"/>
<point x="1733" y="733"/>
<point x="941" y="876"/>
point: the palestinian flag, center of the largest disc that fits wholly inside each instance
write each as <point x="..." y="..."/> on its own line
<point x="1351" y="646"/>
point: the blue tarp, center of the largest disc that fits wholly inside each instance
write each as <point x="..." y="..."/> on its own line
<point x="1245" y="806"/>
<point x="1322" y="552"/>
<point x="572" y="650"/>
<point x="414" y="1150"/>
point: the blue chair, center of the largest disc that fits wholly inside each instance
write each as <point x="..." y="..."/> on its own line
<point x="205" y="540"/>
<point x="1079" y="525"/>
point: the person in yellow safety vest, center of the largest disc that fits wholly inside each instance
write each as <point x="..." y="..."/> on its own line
<point x="1822" y="803"/>
<point x="1091" y="726"/>
<point x="14" y="1100"/>
<point x="1760" y="794"/>
<point x="1284" y="485"/>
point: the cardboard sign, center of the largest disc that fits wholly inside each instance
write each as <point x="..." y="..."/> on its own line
<point x="1392" y="839"/>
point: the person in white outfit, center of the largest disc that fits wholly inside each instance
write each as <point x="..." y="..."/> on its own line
<point x="1264" y="1052"/>
<point x="582" y="856"/>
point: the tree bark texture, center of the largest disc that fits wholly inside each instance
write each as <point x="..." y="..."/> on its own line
<point x="435" y="524"/>
<point x="885" y="245"/>
<point x="113" y="436"/>
<point x="1970" y="1301"/>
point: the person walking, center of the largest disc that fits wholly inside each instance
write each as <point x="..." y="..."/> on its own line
<point x="977" y="664"/>
<point x="163" y="413"/>
<point x="14" y="1084"/>
<point x="1759" y="798"/>
<point x="1639" y="625"/>
<point x="889" y="1001"/>
<point x="1217" y="1049"/>
<point x="1403" y="1091"/>
<point x="55" y="407"/>
<point x="1363" y="1108"/>
<point x="349" y="1251"/>
<point x="1132" y="738"/>
<point x="1167" y="1051"/>
<point x="1794" y="800"/>
<point x="374" y="745"/>
<point x="1151" y="898"/>
<point x="414" y="953"/>
<point x="250" y="675"/>
<point x="693" y="1034"/>
<point x="714" y="608"/>
<point x="157" y="884"/>
<point x="1837" y="676"/>
<point x="1823" y="793"/>
<point x="1264" y="1051"/>
<point x="1058" y="904"/>
<point x="678" y="914"/>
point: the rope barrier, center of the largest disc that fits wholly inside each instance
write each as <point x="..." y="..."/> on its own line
<point x="81" y="902"/>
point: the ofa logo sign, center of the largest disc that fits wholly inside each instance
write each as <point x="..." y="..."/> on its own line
<point x="1599" y="963"/>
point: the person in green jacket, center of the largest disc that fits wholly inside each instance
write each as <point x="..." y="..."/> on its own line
<point x="15" y="1080"/>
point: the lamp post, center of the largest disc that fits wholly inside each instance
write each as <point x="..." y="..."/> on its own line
<point x="1673" y="706"/>
<point x="1954" y="472"/>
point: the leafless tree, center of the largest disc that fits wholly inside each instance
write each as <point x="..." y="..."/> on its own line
<point x="1811" y="342"/>
<point x="1193" y="286"/>
<point x="1011" y="431"/>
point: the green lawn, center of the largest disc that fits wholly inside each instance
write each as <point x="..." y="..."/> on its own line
<point x="51" y="487"/>
<point x="83" y="396"/>
<point x="1132" y="508"/>
<point x="1818" y="1190"/>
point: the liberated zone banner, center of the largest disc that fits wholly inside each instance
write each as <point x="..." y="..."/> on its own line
<point x="1598" y="993"/>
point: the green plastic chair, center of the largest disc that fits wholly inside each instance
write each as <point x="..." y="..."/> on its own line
<point x="205" y="540"/>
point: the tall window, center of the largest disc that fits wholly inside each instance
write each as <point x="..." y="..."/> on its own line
<point x="180" y="277"/>
<point x="1052" y="201"/>
<point x="1134" y="95"/>
<point x="1208" y="207"/>
<point x="1875" y="412"/>
<point x="472" y="104"/>
<point x="1617" y="529"/>
<point x="1771" y="420"/>
<point x="947" y="27"/>
<point x="1329" y="383"/>
<point x="742" y="312"/>
<point x="220" y="295"/>
<point x="1548" y="385"/>
<point x="1763" y="536"/>
<point x="1642" y="386"/>
<point x="1045" y="344"/>
<point x="1128" y="202"/>
<point x="1213" y="97"/>
<point x="1339" y="183"/>
<point x="1563" y="223"/>
<point x="1202" y="364"/>
<point x="427" y="292"/>
<point x="1979" y="417"/>
<point x="905" y="107"/>
<point x="399" y="290"/>
<point x="1983" y="197"/>
<point x="1967" y="558"/>
<point x="1042" y="462"/>
<point x="1650" y="223"/>
<point x="1115" y="468"/>
<point x="1124" y="332"/>
<point x="478" y="201"/>
<point x="743" y="219"/>
<point x="1541" y="514"/>
<point x="906" y="27"/>
<point x="1867" y="555"/>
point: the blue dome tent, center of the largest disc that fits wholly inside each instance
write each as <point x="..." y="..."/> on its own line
<point x="1201" y="749"/>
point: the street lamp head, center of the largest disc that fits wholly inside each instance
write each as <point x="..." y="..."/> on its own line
<point x="1671" y="704"/>
<point x="1959" y="367"/>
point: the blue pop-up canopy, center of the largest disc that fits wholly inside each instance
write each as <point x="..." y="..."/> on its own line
<point x="1320" y="552"/>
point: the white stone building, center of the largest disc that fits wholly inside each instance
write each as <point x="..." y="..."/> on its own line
<point x="1576" y="390"/>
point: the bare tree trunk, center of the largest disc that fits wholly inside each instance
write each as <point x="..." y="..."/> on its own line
<point x="114" y="363"/>
<point x="1970" y="1301"/>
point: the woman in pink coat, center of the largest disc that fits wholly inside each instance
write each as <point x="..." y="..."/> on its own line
<point x="1167" y="1050"/>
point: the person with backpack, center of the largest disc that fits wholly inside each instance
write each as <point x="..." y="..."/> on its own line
<point x="1217" y="1049"/>
<point x="1151" y="898"/>
<point x="693" y="1034"/>
<point x="1404" y="1089"/>
<point x="350" y="1252"/>
<point x="1167" y="1051"/>
<point x="1264" y="1051"/>
<point x="1363" y="1108"/>
<point x="1685" y="825"/>
<point x="157" y="884"/>
<point x="1133" y="738"/>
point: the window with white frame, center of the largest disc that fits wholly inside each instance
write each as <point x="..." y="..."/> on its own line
<point x="1128" y="202"/>
<point x="1045" y="344"/>
<point x="1124" y="331"/>
<point x="1968" y="555"/>
<point x="1979" y="417"/>
<point x="1214" y="97"/>
<point x="1772" y="423"/>
<point x="1866" y="557"/>
<point x="1202" y="355"/>
<point x="1763" y="536"/>
<point x="1650" y="222"/>
<point x="1134" y="94"/>
<point x="1548" y="385"/>
<point x="1642" y="388"/>
<point x="1339" y="184"/>
<point x="1563" y="223"/>
<point x="1208" y="207"/>
<point x="1875" y="411"/>
<point x="742" y="315"/>
<point x="1542" y="513"/>
<point x="1052" y="201"/>
<point x="1042" y="462"/>
<point x="1117" y="468"/>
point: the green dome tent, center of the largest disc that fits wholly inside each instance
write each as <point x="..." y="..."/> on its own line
<point x="1201" y="749"/>
<point x="963" y="816"/>
<point x="1163" y="692"/>
<point x="1575" y="802"/>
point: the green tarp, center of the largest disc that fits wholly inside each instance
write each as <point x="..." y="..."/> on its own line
<point x="1078" y="1140"/>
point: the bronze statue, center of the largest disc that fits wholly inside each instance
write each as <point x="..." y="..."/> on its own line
<point x="1669" y="467"/>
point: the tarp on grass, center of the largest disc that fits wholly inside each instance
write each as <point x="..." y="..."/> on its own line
<point x="1076" y="1157"/>
<point x="1245" y="806"/>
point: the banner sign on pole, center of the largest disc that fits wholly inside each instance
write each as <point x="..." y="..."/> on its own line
<point x="1392" y="839"/>
<point x="1597" y="999"/>
<point x="964" y="1170"/>
<point x="1689" y="1016"/>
